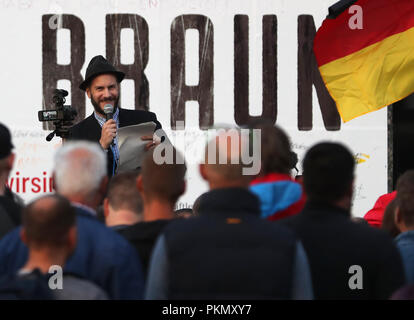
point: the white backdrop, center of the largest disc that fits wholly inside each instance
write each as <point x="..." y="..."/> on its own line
<point x="21" y="81"/>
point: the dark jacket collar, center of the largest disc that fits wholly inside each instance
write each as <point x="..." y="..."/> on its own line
<point x="405" y="236"/>
<point x="229" y="201"/>
<point x="144" y="230"/>
<point x="321" y="208"/>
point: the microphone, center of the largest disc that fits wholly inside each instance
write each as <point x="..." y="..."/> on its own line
<point x="109" y="113"/>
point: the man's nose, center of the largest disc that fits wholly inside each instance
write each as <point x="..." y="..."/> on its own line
<point x="107" y="93"/>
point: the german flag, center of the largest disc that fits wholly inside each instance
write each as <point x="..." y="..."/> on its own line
<point x="370" y="68"/>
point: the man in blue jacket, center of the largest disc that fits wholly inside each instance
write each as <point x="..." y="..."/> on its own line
<point x="404" y="220"/>
<point x="101" y="255"/>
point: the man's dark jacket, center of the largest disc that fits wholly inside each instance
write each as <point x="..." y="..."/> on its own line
<point x="6" y="216"/>
<point x="334" y="243"/>
<point x="89" y="128"/>
<point x="10" y="212"/>
<point x="142" y="236"/>
<point x="229" y="252"/>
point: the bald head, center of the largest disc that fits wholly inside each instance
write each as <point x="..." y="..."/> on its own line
<point x="223" y="164"/>
<point x="47" y="220"/>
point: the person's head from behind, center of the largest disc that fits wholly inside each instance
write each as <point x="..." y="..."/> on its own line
<point x="328" y="174"/>
<point x="184" y="213"/>
<point x="276" y="153"/>
<point x="80" y="172"/>
<point x="123" y="202"/>
<point x="388" y="220"/>
<point x="160" y="181"/>
<point x="49" y="226"/>
<point x="196" y="205"/>
<point x="223" y="165"/>
<point x="6" y="154"/>
<point x="404" y="202"/>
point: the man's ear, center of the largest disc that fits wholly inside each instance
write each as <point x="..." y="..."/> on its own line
<point x="23" y="236"/>
<point x="103" y="186"/>
<point x="54" y="186"/>
<point x="397" y="217"/>
<point x="72" y="238"/>
<point x="10" y="161"/>
<point x="106" y="207"/>
<point x="202" y="168"/>
<point x="140" y="186"/>
<point x="398" y="220"/>
<point x="88" y="92"/>
<point x="184" y="187"/>
<point x="351" y="188"/>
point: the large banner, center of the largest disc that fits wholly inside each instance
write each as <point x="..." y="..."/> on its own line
<point x="197" y="64"/>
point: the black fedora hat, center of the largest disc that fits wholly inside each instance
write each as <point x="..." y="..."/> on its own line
<point x="99" y="65"/>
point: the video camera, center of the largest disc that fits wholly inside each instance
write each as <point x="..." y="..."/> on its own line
<point x="62" y="116"/>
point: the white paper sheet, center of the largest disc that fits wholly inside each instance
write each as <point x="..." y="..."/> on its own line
<point x="131" y="147"/>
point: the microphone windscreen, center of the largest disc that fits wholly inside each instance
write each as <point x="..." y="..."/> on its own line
<point x="108" y="108"/>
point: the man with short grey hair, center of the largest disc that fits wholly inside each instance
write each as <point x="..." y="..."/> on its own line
<point x="80" y="173"/>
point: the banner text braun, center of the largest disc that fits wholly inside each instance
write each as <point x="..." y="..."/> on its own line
<point x="307" y="71"/>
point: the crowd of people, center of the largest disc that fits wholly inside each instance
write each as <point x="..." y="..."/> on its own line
<point x="261" y="234"/>
<point x="267" y="236"/>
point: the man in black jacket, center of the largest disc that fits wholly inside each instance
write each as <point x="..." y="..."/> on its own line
<point x="347" y="260"/>
<point x="102" y="83"/>
<point x="10" y="210"/>
<point x="228" y="252"/>
<point x="159" y="186"/>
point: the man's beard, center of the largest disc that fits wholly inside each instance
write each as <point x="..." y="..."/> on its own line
<point x="95" y="105"/>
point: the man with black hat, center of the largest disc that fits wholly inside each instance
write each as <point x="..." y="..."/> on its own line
<point x="102" y="87"/>
<point x="9" y="208"/>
